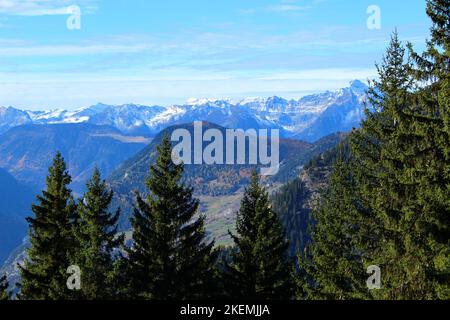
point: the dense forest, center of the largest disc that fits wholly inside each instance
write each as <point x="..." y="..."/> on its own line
<point x="385" y="206"/>
<point x="387" y="203"/>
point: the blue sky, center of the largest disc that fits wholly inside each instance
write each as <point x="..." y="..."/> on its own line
<point x="164" y="52"/>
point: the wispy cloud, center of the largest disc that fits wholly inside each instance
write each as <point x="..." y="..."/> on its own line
<point x="334" y="74"/>
<point x="42" y="7"/>
<point x="69" y="50"/>
<point x="287" y="8"/>
<point x="143" y="56"/>
<point x="211" y="45"/>
<point x="59" y="90"/>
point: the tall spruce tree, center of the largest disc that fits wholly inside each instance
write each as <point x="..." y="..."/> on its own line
<point x="402" y="166"/>
<point x="4" y="293"/>
<point x="331" y="268"/>
<point x="96" y="234"/>
<point x="260" y="267"/>
<point x="370" y="203"/>
<point x="43" y="275"/>
<point x="386" y="150"/>
<point x="432" y="72"/>
<point x="170" y="257"/>
<point x="403" y="162"/>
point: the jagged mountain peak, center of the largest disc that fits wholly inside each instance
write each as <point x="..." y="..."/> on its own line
<point x="358" y="86"/>
<point x="206" y="101"/>
<point x="292" y="117"/>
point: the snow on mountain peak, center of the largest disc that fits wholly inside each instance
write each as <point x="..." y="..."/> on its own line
<point x="358" y="86"/>
<point x="249" y="100"/>
<point x="292" y="116"/>
<point x="203" y="101"/>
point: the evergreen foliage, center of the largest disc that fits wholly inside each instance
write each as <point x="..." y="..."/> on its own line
<point x="431" y="71"/>
<point x="260" y="267"/>
<point x="388" y="204"/>
<point x="96" y="233"/>
<point x="331" y="267"/>
<point x="4" y="293"/>
<point x="43" y="275"/>
<point x="290" y="205"/>
<point x="170" y="257"/>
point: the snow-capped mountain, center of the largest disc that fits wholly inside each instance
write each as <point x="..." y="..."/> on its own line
<point x="10" y="117"/>
<point x="308" y="118"/>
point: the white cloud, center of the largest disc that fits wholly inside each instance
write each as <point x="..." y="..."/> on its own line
<point x="170" y="86"/>
<point x="46" y="12"/>
<point x="40" y="7"/>
<point x="334" y="74"/>
<point x="69" y="50"/>
<point x="287" y="8"/>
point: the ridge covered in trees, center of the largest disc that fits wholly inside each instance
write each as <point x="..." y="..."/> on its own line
<point x="385" y="207"/>
<point x="387" y="204"/>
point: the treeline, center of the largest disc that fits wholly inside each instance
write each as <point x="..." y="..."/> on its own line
<point x="170" y="257"/>
<point x="386" y="210"/>
<point x="291" y="205"/>
<point x="388" y="199"/>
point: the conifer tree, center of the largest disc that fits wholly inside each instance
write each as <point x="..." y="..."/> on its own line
<point x="432" y="72"/>
<point x="331" y="267"/>
<point x="4" y="293"/>
<point x="170" y="257"/>
<point x="385" y="152"/>
<point x="289" y="204"/>
<point x="402" y="166"/>
<point x="43" y="274"/>
<point x="96" y="234"/>
<point x="369" y="207"/>
<point x="260" y="268"/>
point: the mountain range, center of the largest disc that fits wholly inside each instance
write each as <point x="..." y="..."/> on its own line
<point x="120" y="140"/>
<point x="308" y="118"/>
<point x="15" y="206"/>
<point x="27" y="151"/>
<point x="220" y="209"/>
<point x="219" y="187"/>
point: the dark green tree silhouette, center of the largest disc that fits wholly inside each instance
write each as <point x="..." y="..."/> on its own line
<point x="260" y="267"/>
<point x="4" y="293"/>
<point x="43" y="275"/>
<point x="96" y="233"/>
<point x="170" y="257"/>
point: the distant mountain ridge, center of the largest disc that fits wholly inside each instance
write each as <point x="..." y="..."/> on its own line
<point x="218" y="187"/>
<point x="15" y="205"/>
<point x="309" y="118"/>
<point x="211" y="181"/>
<point x="27" y="151"/>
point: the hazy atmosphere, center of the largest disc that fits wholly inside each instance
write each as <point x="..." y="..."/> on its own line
<point x="224" y="158"/>
<point x="164" y="52"/>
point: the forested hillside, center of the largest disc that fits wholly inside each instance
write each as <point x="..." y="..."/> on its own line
<point x="26" y="151"/>
<point x="386" y="207"/>
<point x="213" y="183"/>
<point x="15" y="205"/>
<point x="295" y="201"/>
<point x="357" y="216"/>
